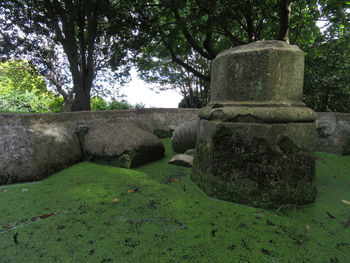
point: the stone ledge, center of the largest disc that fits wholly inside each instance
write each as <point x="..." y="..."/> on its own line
<point x="258" y="114"/>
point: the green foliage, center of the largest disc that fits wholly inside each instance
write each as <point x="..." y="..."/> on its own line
<point x="27" y="101"/>
<point x="327" y="60"/>
<point x="139" y="105"/>
<point x="19" y="102"/>
<point x="69" y="34"/>
<point x="19" y="75"/>
<point x="119" y="105"/>
<point x="56" y="105"/>
<point x="327" y="78"/>
<point x="22" y="89"/>
<point x="185" y="36"/>
<point x="194" y="100"/>
<point x="98" y="103"/>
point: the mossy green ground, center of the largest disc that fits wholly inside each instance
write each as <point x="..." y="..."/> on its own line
<point x="73" y="216"/>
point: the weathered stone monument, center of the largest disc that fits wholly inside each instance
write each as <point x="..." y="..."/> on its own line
<point x="255" y="140"/>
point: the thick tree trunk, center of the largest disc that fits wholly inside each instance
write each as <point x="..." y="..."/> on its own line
<point x="82" y="88"/>
<point x="81" y="100"/>
<point x="79" y="20"/>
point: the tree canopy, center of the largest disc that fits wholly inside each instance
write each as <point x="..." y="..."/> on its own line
<point x="189" y="34"/>
<point x="79" y="27"/>
<point x="77" y="43"/>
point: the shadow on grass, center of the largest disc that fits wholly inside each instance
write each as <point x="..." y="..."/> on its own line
<point x="96" y="213"/>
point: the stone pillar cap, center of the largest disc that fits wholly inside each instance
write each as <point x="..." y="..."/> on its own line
<point x="260" y="45"/>
<point x="269" y="71"/>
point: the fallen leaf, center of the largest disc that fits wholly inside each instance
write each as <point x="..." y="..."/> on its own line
<point x="3" y="190"/>
<point x="115" y="200"/>
<point x="345" y="202"/>
<point x="307" y="227"/>
<point x="46" y="215"/>
<point x="130" y="191"/>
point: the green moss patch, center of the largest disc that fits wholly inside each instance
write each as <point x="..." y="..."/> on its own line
<point x="155" y="213"/>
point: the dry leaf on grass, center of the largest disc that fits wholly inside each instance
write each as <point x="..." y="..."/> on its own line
<point x="345" y="202"/>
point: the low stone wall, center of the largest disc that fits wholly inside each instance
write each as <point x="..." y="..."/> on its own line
<point x="333" y="131"/>
<point x="33" y="146"/>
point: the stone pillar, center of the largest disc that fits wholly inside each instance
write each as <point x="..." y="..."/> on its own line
<point x="256" y="139"/>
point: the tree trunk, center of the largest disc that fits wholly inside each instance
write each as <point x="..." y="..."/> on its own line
<point x="82" y="88"/>
<point x="81" y="100"/>
<point x="285" y="10"/>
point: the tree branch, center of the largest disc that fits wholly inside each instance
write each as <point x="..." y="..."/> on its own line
<point x="185" y="65"/>
<point x="187" y="34"/>
<point x="234" y="39"/>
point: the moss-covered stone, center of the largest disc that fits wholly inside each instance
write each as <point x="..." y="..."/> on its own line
<point x="259" y="165"/>
<point x="185" y="136"/>
<point x="255" y="140"/>
<point x="161" y="134"/>
<point x="253" y="113"/>
<point x="259" y="71"/>
<point x="124" y="145"/>
<point x="123" y="161"/>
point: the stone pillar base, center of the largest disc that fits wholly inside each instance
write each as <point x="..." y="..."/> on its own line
<point x="259" y="164"/>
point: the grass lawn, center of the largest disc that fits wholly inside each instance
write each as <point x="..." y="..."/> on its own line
<point x="95" y="213"/>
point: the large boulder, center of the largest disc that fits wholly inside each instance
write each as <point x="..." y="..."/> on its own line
<point x="123" y="144"/>
<point x="333" y="130"/>
<point x="185" y="136"/>
<point x="30" y="149"/>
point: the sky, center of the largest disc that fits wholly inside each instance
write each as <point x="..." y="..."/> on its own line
<point x="137" y="91"/>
